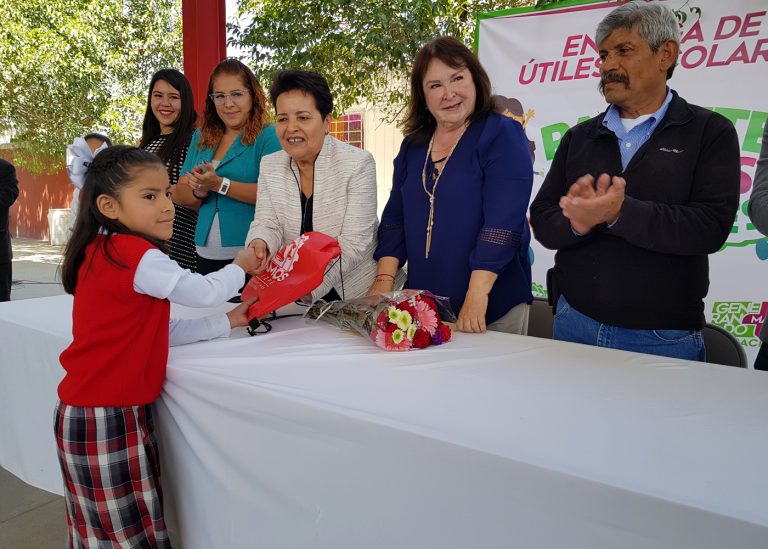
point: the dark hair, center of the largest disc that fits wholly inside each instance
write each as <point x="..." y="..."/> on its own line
<point x="213" y="127"/>
<point x="308" y="82"/>
<point x="95" y="135"/>
<point x="419" y="124"/>
<point x="174" y="148"/>
<point x="111" y="170"/>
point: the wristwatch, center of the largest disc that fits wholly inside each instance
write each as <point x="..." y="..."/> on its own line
<point x="225" y="182"/>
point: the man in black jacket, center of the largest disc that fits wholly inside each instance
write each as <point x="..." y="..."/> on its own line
<point x="758" y="215"/>
<point x="636" y="198"/>
<point x="9" y="190"/>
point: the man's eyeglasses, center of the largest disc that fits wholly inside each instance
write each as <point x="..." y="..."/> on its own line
<point x="236" y="96"/>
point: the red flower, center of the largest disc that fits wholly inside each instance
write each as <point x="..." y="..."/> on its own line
<point x="445" y="332"/>
<point x="383" y="319"/>
<point x="421" y="339"/>
<point x="405" y="306"/>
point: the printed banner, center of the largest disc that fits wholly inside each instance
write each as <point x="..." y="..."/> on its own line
<point x="545" y="64"/>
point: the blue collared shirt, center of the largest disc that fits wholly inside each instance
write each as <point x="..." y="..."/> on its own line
<point x="630" y="141"/>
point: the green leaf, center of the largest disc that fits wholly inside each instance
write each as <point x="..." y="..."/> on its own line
<point x="364" y="49"/>
<point x="68" y="67"/>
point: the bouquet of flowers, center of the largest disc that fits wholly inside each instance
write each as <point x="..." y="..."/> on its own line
<point x="394" y="321"/>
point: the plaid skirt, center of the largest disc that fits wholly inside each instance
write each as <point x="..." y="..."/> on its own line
<point x="111" y="471"/>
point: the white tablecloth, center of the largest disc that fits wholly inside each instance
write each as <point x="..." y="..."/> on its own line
<point x="308" y="437"/>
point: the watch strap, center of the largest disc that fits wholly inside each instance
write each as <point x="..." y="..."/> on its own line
<point x="224" y="188"/>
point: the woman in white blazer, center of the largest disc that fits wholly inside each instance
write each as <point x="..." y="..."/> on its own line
<point x="316" y="183"/>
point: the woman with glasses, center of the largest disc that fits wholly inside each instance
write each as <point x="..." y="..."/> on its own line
<point x="169" y="123"/>
<point x="222" y="165"/>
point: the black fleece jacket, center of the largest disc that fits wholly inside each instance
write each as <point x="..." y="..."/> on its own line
<point x="650" y="270"/>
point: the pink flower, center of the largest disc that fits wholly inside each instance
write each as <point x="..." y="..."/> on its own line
<point x="426" y="317"/>
<point x="428" y="300"/>
<point x="391" y="341"/>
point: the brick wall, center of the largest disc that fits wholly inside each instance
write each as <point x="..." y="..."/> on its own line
<point x="38" y="194"/>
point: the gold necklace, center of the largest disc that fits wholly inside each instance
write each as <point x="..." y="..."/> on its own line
<point x="431" y="194"/>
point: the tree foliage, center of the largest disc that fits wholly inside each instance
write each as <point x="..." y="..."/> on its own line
<point x="68" y="67"/>
<point x="364" y="49"/>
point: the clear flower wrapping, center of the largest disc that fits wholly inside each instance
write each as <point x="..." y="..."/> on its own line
<point x="394" y="321"/>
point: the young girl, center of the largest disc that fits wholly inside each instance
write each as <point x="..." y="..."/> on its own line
<point x="123" y="284"/>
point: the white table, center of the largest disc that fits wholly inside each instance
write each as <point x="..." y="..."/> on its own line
<point x="308" y="437"/>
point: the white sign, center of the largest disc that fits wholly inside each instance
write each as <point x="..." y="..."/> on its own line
<point x="546" y="63"/>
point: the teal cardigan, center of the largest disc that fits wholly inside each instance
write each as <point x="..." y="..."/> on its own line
<point x="241" y="163"/>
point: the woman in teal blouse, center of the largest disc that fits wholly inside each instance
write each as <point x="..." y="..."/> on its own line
<point x="222" y="165"/>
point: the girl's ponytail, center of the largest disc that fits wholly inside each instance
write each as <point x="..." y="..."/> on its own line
<point x="111" y="170"/>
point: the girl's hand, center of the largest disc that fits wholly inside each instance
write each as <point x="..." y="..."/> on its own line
<point x="246" y="260"/>
<point x="262" y="254"/>
<point x="239" y="315"/>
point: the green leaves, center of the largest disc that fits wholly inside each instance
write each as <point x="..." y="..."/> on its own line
<point x="364" y="49"/>
<point x="68" y="67"/>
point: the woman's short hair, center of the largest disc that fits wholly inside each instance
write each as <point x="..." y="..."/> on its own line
<point x="311" y="83"/>
<point x="258" y="118"/>
<point x="174" y="147"/>
<point x="419" y="123"/>
<point x="656" y="24"/>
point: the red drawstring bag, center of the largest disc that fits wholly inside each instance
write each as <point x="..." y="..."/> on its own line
<point x="293" y="272"/>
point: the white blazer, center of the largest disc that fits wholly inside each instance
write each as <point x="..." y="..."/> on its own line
<point x="344" y="207"/>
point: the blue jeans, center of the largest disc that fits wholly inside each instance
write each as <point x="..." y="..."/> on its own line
<point x="571" y="325"/>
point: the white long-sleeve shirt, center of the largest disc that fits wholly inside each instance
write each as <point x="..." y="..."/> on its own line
<point x="159" y="276"/>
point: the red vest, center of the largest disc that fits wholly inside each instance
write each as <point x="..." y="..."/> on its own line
<point x="120" y="348"/>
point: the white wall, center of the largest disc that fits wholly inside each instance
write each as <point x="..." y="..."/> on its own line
<point x="382" y="140"/>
